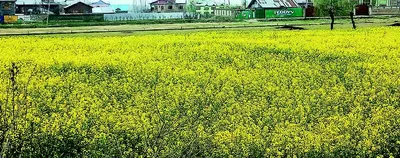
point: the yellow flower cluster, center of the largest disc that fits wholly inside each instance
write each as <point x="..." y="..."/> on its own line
<point x="249" y="93"/>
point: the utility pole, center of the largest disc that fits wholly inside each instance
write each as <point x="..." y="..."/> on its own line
<point x="133" y="5"/>
<point x="185" y="8"/>
<point x="398" y="5"/>
<point x="48" y="12"/>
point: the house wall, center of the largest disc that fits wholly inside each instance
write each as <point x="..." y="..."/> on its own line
<point x="167" y="8"/>
<point x="7" y="8"/>
<point x="79" y="8"/>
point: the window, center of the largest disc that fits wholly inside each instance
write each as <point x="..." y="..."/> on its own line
<point x="170" y="7"/>
<point x="162" y="7"/>
<point x="7" y="6"/>
<point x="180" y="7"/>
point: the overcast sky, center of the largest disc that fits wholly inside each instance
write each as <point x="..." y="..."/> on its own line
<point x="130" y="2"/>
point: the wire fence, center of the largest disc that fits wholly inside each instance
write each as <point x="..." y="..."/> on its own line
<point x="142" y="16"/>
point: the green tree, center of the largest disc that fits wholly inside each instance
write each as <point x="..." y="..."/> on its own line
<point x="340" y="7"/>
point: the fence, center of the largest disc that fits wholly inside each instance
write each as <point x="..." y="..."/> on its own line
<point x="25" y="18"/>
<point x="225" y="12"/>
<point x="77" y="17"/>
<point x="385" y="10"/>
<point x="142" y="16"/>
<point x="284" y="13"/>
<point x="19" y="18"/>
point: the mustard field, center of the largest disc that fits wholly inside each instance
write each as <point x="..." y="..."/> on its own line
<point x="232" y="93"/>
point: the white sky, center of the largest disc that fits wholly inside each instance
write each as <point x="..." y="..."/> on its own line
<point x="130" y="2"/>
